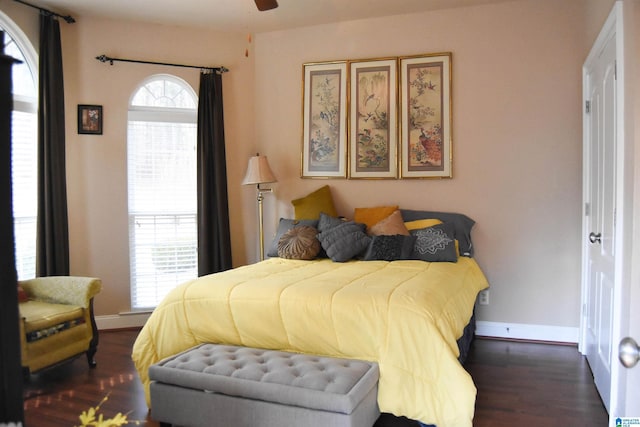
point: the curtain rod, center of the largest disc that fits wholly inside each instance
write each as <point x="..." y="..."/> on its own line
<point x="105" y="58"/>
<point x="69" y="19"/>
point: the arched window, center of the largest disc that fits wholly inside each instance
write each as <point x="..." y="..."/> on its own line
<point x="24" y="146"/>
<point x="162" y="188"/>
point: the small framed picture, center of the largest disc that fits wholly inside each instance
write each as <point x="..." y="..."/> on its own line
<point x="90" y="119"/>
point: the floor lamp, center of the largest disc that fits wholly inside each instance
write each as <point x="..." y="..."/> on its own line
<point x="259" y="172"/>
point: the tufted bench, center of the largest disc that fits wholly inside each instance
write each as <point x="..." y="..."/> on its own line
<point x="230" y="386"/>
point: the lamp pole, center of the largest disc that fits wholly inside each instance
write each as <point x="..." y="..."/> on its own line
<point x="261" y="216"/>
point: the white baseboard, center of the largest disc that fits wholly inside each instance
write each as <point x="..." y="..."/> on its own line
<point x="527" y="332"/>
<point x="122" y="321"/>
<point x="483" y="328"/>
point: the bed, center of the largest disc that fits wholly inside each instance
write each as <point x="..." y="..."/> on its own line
<point x="404" y="313"/>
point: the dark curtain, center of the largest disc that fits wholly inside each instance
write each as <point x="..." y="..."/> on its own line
<point x="52" y="253"/>
<point x="11" y="407"/>
<point x="214" y="236"/>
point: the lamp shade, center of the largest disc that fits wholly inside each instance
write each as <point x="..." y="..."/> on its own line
<point x="258" y="171"/>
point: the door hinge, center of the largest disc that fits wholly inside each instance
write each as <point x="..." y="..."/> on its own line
<point x="587" y="106"/>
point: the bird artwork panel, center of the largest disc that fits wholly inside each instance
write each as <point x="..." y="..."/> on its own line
<point x="426" y="117"/>
<point x="373" y="135"/>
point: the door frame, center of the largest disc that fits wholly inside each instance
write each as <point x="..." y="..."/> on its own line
<point x="623" y="203"/>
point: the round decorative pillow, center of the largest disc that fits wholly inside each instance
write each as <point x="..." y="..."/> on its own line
<point x="299" y="243"/>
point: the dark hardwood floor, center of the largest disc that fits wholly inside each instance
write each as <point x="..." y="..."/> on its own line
<point x="519" y="384"/>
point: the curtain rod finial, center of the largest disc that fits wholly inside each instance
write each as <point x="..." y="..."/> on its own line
<point x="105" y="58"/>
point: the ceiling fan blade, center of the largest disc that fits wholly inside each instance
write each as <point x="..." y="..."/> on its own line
<point x="266" y="4"/>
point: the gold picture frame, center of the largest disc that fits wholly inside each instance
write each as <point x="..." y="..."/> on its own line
<point x="425" y="109"/>
<point x="324" y="140"/>
<point x="373" y="119"/>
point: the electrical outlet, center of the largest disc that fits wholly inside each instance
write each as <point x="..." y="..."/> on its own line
<point x="483" y="298"/>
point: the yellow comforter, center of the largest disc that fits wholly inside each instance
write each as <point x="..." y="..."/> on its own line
<point x="405" y="315"/>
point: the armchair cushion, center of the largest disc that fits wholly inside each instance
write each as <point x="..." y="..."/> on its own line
<point x="40" y="315"/>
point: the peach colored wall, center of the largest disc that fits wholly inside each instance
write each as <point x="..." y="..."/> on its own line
<point x="24" y="18"/>
<point x="517" y="143"/>
<point x="96" y="165"/>
<point x="517" y="136"/>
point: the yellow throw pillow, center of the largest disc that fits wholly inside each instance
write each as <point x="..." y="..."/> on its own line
<point x="372" y="216"/>
<point x="311" y="205"/>
<point x="421" y="223"/>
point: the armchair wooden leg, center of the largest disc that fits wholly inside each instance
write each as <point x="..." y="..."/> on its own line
<point x="91" y="357"/>
<point x="93" y="345"/>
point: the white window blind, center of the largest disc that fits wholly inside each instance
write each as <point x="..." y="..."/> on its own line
<point x="24" y="146"/>
<point x="161" y="189"/>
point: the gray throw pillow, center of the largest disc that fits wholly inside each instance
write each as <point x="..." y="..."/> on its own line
<point x="344" y="241"/>
<point x="462" y="225"/>
<point x="435" y="244"/>
<point x="327" y="222"/>
<point x="390" y="248"/>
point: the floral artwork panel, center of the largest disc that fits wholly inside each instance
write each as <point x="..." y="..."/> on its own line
<point x="325" y="121"/>
<point x="324" y="141"/>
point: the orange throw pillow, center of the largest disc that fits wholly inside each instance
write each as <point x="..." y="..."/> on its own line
<point x="372" y="216"/>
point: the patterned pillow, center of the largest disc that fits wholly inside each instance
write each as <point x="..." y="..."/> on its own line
<point x="299" y="243"/>
<point x="462" y="225"/>
<point x="390" y="248"/>
<point x="285" y="225"/>
<point x="435" y="243"/>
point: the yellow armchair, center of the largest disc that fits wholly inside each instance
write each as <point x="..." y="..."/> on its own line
<point x="57" y="321"/>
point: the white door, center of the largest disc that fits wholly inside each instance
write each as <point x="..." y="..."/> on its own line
<point x="611" y="226"/>
<point x="627" y="403"/>
<point x="599" y="222"/>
